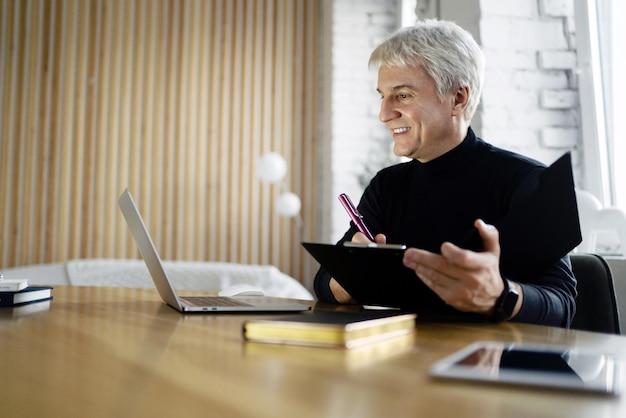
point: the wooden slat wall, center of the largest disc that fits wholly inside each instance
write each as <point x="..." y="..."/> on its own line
<point x="174" y="99"/>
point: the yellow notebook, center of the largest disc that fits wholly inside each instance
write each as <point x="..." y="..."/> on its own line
<point x="339" y="358"/>
<point x="330" y="328"/>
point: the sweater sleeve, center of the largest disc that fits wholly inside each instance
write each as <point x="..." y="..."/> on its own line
<point x="549" y="295"/>
<point x="550" y="298"/>
<point x="321" y="283"/>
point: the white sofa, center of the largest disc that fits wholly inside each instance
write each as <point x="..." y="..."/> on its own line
<point x="185" y="275"/>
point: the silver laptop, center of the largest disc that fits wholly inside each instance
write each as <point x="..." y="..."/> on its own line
<point x="193" y="303"/>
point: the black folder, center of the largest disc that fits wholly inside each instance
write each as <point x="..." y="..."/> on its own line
<point x="533" y="235"/>
<point x="542" y="228"/>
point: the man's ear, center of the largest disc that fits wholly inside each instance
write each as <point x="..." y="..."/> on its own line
<point x="461" y="97"/>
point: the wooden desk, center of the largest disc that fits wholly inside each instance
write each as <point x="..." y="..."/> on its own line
<point x="115" y="352"/>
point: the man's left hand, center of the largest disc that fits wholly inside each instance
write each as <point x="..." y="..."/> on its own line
<point x="467" y="280"/>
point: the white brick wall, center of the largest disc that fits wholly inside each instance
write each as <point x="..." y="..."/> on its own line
<point x="557" y="8"/>
<point x="558" y="137"/>
<point x="358" y="26"/>
<point x="530" y="100"/>
<point x="519" y="8"/>
<point x="557" y="60"/>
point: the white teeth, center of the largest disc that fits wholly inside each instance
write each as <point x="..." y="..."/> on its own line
<point x="400" y="130"/>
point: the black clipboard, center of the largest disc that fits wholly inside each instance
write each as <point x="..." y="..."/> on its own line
<point x="372" y="275"/>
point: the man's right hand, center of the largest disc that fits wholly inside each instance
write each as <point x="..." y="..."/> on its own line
<point x="338" y="291"/>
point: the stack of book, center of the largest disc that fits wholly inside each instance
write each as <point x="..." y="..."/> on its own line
<point x="331" y="328"/>
<point x="18" y="292"/>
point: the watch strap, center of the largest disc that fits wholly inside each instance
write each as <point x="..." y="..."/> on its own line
<point x="505" y="305"/>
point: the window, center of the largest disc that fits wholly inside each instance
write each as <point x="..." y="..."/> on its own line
<point x="601" y="88"/>
<point x="618" y="108"/>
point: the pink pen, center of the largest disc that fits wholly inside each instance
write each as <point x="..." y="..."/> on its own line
<point x="355" y="215"/>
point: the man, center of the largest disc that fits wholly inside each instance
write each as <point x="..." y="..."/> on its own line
<point x="430" y="78"/>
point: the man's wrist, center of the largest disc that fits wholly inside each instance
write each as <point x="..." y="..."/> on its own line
<point x="507" y="305"/>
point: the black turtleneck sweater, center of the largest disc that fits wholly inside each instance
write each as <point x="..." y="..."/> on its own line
<point x="424" y="204"/>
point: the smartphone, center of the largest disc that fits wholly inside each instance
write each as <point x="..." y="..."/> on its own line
<point x="355" y="216"/>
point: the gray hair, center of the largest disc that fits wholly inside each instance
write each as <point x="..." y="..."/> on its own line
<point x="447" y="53"/>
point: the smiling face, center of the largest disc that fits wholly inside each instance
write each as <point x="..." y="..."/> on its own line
<point x="423" y="126"/>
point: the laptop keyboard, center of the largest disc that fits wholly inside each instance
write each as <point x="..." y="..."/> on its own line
<point x="213" y="301"/>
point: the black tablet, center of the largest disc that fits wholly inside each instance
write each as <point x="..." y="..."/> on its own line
<point x="546" y="366"/>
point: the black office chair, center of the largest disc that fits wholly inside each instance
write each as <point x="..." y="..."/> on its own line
<point x="596" y="304"/>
